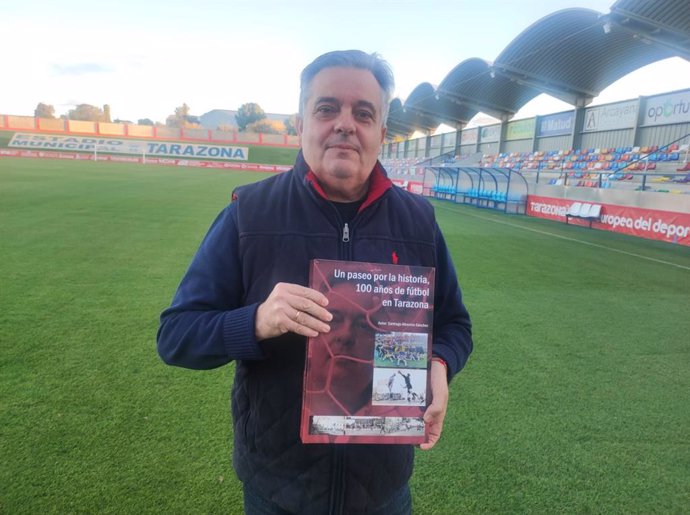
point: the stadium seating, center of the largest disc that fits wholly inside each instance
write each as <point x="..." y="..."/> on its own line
<point x="606" y="167"/>
<point x="592" y="159"/>
<point x="641" y="168"/>
<point x="407" y="167"/>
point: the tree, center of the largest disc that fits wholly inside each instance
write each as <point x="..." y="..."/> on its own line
<point x="291" y="125"/>
<point x="106" y="113"/>
<point x="182" y="112"/>
<point x="86" y="113"/>
<point x="144" y="121"/>
<point x="248" y="113"/>
<point x="266" y="126"/>
<point x="181" y="117"/>
<point x="44" y="111"/>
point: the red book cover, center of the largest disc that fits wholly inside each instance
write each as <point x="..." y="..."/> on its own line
<point x="367" y="380"/>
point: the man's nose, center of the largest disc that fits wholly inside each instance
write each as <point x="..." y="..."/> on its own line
<point x="345" y="123"/>
<point x="346" y="332"/>
<point x="347" y="327"/>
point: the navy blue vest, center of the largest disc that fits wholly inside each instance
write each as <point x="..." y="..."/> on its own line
<point x="283" y="223"/>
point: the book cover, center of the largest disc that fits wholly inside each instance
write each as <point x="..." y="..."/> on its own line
<point x="367" y="380"/>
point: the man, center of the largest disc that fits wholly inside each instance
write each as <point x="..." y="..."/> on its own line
<point x="342" y="364"/>
<point x="408" y="384"/>
<point x="391" y="380"/>
<point x="244" y="297"/>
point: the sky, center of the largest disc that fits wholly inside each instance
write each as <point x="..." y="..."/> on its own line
<point x="146" y="57"/>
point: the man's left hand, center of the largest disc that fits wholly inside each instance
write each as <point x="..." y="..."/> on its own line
<point x="436" y="411"/>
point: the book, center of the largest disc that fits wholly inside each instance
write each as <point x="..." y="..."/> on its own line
<point x="368" y="380"/>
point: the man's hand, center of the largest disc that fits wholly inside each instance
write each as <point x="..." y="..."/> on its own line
<point x="436" y="411"/>
<point x="291" y="307"/>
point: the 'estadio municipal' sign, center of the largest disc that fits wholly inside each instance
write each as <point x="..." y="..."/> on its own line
<point x="126" y="146"/>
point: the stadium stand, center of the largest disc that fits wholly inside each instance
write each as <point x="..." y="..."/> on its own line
<point x="583" y="160"/>
<point x="598" y="168"/>
<point x="572" y="55"/>
<point x="629" y="158"/>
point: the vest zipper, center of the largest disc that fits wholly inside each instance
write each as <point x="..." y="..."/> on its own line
<point x="337" y="497"/>
<point x="345" y="250"/>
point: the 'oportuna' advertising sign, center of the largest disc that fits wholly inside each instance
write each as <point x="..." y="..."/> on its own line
<point x="664" y="109"/>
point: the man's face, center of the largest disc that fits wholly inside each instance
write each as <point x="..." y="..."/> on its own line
<point x="343" y="359"/>
<point x="351" y="333"/>
<point x="341" y="130"/>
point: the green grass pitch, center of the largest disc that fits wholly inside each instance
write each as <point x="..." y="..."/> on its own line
<point x="576" y="399"/>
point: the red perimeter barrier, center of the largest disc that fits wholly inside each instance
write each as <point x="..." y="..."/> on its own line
<point x="252" y="167"/>
<point x="652" y="224"/>
<point x="411" y="186"/>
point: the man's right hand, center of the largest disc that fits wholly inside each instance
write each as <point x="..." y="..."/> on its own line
<point x="291" y="307"/>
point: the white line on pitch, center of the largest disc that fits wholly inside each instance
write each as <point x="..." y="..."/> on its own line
<point x="574" y="240"/>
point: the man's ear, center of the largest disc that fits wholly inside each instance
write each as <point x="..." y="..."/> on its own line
<point x="383" y="134"/>
<point x="299" y="125"/>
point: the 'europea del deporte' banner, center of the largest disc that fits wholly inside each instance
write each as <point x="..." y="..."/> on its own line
<point x="652" y="224"/>
<point x="126" y="146"/>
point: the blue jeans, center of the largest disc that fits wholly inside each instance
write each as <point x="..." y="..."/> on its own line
<point x="255" y="504"/>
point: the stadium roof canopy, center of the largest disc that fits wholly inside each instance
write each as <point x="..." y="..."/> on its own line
<point x="572" y="55"/>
